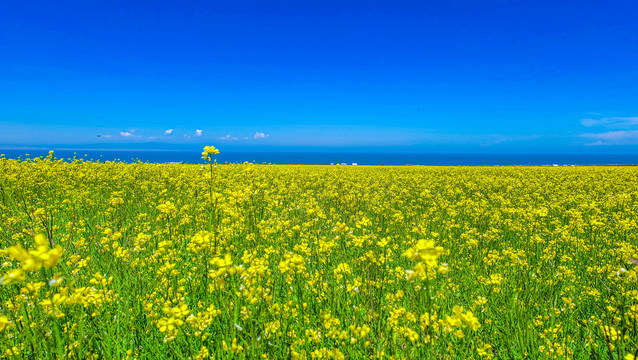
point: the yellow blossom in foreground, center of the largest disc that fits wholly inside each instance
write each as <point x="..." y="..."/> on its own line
<point x="4" y="321"/>
<point x="12" y="276"/>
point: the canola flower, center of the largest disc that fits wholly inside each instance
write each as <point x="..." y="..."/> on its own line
<point x="208" y="151"/>
<point x="140" y="261"/>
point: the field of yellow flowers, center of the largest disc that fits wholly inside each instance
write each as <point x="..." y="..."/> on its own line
<point x="242" y="261"/>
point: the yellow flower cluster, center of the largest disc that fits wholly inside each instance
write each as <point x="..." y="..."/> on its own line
<point x="174" y="318"/>
<point x="427" y="256"/>
<point x="208" y="151"/>
<point x="41" y="255"/>
<point x="292" y="263"/>
<point x="460" y="319"/>
<point x="167" y="208"/>
<point x="223" y="266"/>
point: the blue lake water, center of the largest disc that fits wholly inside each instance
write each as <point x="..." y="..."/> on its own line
<point x="194" y="157"/>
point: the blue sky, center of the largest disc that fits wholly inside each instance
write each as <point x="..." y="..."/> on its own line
<point x="433" y="76"/>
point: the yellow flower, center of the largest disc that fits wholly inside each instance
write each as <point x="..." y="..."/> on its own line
<point x="12" y="276"/>
<point x="610" y="333"/>
<point x="41" y="240"/>
<point x="166" y="207"/>
<point x="181" y="310"/>
<point x="425" y="251"/>
<point x="166" y="324"/>
<point x="208" y="151"/>
<point x="4" y="322"/>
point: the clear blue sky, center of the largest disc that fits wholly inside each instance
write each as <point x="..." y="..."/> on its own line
<point x="448" y="76"/>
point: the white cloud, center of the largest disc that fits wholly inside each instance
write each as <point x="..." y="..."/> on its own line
<point x="621" y="137"/>
<point x="107" y="136"/>
<point x="126" y="133"/>
<point x="614" y="122"/>
<point x="228" y="137"/>
<point x="260" y="135"/>
<point x="168" y="132"/>
<point x="198" y="132"/>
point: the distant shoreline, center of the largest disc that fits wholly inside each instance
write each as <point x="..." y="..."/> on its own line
<point x="347" y="158"/>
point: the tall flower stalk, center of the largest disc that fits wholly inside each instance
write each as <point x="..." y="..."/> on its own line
<point x="209" y="154"/>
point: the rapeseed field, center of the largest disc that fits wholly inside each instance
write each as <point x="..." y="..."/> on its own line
<point x="108" y="260"/>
